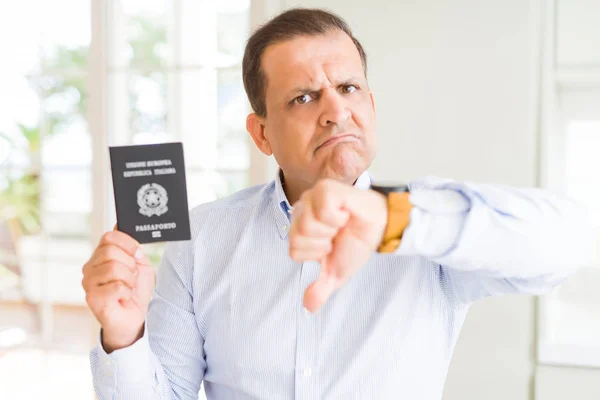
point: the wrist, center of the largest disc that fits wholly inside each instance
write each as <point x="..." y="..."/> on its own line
<point x="111" y="342"/>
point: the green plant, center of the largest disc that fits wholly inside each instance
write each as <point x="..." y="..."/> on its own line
<point x="19" y="202"/>
<point x="20" y="196"/>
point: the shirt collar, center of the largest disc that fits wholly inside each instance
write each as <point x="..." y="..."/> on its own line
<point x="283" y="207"/>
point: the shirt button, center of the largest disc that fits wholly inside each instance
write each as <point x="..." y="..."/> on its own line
<point x="307" y="372"/>
<point x="285" y="228"/>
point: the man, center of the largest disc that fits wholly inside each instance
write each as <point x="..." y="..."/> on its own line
<point x="350" y="293"/>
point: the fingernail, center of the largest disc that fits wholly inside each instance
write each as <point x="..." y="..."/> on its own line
<point x="135" y="270"/>
<point x="139" y="254"/>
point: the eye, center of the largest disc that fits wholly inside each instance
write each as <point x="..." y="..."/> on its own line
<point x="305" y="98"/>
<point x="347" y="89"/>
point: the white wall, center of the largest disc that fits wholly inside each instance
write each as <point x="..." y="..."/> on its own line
<point x="456" y="90"/>
<point x="453" y="80"/>
<point x="563" y="383"/>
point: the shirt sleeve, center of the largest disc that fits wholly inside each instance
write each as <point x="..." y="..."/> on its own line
<point x="494" y="239"/>
<point x="168" y="361"/>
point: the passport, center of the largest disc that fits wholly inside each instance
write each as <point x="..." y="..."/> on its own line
<point x="150" y="192"/>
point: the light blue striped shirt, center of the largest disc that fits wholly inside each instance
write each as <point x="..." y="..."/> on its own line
<point x="227" y="307"/>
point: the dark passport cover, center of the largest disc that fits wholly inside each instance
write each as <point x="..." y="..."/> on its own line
<point x="150" y="192"/>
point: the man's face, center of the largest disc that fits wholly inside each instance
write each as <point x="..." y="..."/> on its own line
<point x="320" y="112"/>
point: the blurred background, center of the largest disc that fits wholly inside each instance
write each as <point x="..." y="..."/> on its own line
<point x="502" y="91"/>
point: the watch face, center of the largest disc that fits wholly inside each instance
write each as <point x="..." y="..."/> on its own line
<point x="389" y="187"/>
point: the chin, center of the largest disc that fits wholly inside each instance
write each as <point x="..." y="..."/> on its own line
<point x="346" y="167"/>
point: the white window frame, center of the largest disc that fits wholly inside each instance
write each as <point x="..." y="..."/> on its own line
<point x="554" y="79"/>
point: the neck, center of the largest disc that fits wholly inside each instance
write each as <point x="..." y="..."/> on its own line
<point x="293" y="189"/>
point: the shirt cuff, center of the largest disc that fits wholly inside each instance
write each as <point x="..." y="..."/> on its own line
<point x="129" y="364"/>
<point x="436" y="222"/>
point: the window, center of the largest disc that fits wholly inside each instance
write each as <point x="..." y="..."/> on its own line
<point x="173" y="73"/>
<point x="77" y="77"/>
<point x="569" y="317"/>
<point x="46" y="177"/>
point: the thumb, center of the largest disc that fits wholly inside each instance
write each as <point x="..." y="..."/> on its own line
<point x="320" y="290"/>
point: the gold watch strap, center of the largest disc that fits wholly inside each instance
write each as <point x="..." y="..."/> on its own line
<point x="398" y="218"/>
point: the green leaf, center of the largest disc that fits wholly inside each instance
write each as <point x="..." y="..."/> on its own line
<point x="20" y="200"/>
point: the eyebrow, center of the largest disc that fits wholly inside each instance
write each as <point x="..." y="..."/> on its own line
<point x="300" y="90"/>
<point x="306" y="89"/>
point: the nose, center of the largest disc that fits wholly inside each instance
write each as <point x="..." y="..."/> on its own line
<point x="335" y="109"/>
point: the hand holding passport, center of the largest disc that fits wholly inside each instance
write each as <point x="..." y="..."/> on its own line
<point x="151" y="202"/>
<point x="150" y="192"/>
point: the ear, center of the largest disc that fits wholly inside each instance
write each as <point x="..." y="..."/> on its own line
<point x="255" y="126"/>
<point x="372" y="101"/>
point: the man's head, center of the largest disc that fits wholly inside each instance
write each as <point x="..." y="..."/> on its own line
<point x="305" y="76"/>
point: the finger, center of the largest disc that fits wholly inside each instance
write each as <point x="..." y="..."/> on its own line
<point x="302" y="246"/>
<point x="327" y="202"/>
<point x="319" y="291"/>
<point x="301" y="256"/>
<point x="308" y="226"/>
<point x="143" y="260"/>
<point x="301" y="242"/>
<point x="332" y="217"/>
<point x="327" y="214"/>
<point x="102" y="296"/>
<point x="108" y="253"/>
<point x="122" y="240"/>
<point x="305" y="224"/>
<point x="110" y="272"/>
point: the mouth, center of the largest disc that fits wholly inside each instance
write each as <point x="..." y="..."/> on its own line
<point x="347" y="137"/>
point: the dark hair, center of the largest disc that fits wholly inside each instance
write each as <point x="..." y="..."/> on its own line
<point x="287" y="25"/>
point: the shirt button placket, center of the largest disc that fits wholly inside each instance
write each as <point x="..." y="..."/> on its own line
<point x="307" y="338"/>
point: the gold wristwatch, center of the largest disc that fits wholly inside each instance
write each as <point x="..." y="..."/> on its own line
<point x="398" y="215"/>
